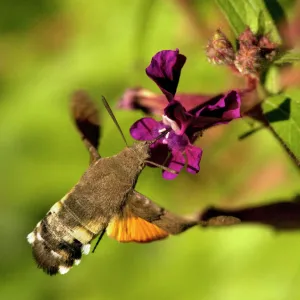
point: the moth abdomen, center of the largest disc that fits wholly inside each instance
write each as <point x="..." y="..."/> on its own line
<point x="58" y="243"/>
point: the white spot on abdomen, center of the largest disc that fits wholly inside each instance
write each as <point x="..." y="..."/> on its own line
<point x="31" y="238"/>
<point x="77" y="262"/>
<point x="63" y="270"/>
<point x="86" y="249"/>
<point x="55" y="254"/>
<point x="39" y="237"/>
<point x="56" y="207"/>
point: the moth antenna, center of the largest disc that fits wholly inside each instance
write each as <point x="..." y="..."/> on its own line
<point x="99" y="239"/>
<point x="113" y="118"/>
<point x="161" y="167"/>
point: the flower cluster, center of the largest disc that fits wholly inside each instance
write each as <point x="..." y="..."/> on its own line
<point x="252" y="55"/>
<point x="175" y="149"/>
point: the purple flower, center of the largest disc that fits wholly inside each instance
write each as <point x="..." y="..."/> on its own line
<point x="154" y="104"/>
<point x="164" y="70"/>
<point x="182" y="127"/>
<point x="170" y="148"/>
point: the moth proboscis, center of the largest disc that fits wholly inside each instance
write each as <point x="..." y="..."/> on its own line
<point x="104" y="200"/>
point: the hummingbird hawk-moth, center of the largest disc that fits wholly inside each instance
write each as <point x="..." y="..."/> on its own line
<point x="104" y="200"/>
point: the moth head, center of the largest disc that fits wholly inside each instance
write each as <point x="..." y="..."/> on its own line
<point x="142" y="150"/>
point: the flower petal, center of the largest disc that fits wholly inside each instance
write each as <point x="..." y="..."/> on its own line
<point x="221" y="104"/>
<point x="219" y="110"/>
<point x="176" y="112"/>
<point x="176" y="142"/>
<point x="151" y="103"/>
<point x="233" y="104"/>
<point x="159" y="153"/>
<point x="144" y="100"/>
<point x="193" y="155"/>
<point x="176" y="163"/>
<point x="164" y="70"/>
<point x="145" y="129"/>
<point x="190" y="101"/>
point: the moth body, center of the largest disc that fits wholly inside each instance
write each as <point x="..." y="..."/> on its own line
<point x="65" y="233"/>
<point x="104" y="200"/>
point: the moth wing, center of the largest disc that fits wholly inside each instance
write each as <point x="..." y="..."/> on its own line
<point x="86" y="117"/>
<point x="144" y="208"/>
<point x="143" y="220"/>
<point x="130" y="228"/>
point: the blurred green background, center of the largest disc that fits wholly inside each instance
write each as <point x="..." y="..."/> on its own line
<point x="48" y="49"/>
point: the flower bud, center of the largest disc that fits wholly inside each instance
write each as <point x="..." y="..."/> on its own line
<point x="247" y="38"/>
<point x="219" y="50"/>
<point x="248" y="60"/>
<point x="268" y="48"/>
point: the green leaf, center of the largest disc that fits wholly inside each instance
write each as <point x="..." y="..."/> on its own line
<point x="271" y="82"/>
<point x="283" y="113"/>
<point x="233" y="16"/>
<point x="253" y="13"/>
<point x="288" y="57"/>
